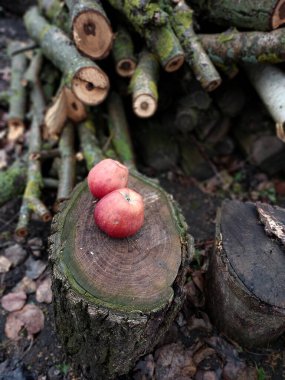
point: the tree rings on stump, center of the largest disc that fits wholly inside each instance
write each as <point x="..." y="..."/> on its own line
<point x="119" y="295"/>
<point x="246" y="279"/>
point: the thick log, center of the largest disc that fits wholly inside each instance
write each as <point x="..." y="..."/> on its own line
<point x="245" y="280"/>
<point x="269" y="82"/>
<point x="88" y="82"/>
<point x="123" y="53"/>
<point x="144" y="85"/>
<point x="195" y="55"/>
<point x="152" y="23"/>
<point x="254" y="14"/>
<point x="91" y="28"/>
<point x="120" y="295"/>
<point x="249" y="47"/>
<point x="17" y="99"/>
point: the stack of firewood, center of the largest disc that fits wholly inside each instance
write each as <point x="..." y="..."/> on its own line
<point x="62" y="74"/>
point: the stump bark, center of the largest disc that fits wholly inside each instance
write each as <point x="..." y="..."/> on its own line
<point x="115" y="298"/>
<point x="245" y="284"/>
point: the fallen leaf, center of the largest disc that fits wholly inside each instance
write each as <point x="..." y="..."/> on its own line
<point x="144" y="370"/>
<point x="30" y="318"/>
<point x="27" y="285"/>
<point x="173" y="361"/>
<point x="208" y="375"/>
<point x="5" y="264"/>
<point x="44" y="293"/>
<point x="14" y="301"/>
<point x="36" y="245"/>
<point x="16" y="254"/>
<point x="202" y="354"/>
<point x="34" y="268"/>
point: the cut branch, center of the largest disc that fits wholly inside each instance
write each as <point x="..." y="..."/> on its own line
<point x="144" y="85"/>
<point x="269" y="82"/>
<point x="67" y="164"/>
<point x="151" y="22"/>
<point x="253" y="14"/>
<point x="17" y="101"/>
<point x="89" y="143"/>
<point x="195" y="55"/>
<point x="250" y="47"/>
<point x="123" y="53"/>
<point x="119" y="131"/>
<point x="91" y="28"/>
<point x="31" y="199"/>
<point x="88" y="82"/>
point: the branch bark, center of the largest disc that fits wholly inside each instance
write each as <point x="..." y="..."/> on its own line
<point x="123" y="53"/>
<point x="88" y="82"/>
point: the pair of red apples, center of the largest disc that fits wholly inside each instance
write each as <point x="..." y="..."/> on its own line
<point x="120" y="210"/>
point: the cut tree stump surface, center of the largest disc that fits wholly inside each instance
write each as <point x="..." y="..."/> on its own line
<point x="134" y="273"/>
<point x="260" y="270"/>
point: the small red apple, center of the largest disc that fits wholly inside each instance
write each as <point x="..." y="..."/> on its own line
<point x="120" y="213"/>
<point x="106" y="176"/>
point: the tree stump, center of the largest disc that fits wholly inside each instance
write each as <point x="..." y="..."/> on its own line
<point x="115" y="298"/>
<point x="246" y="278"/>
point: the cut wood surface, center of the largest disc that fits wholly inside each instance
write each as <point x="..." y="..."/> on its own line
<point x="120" y="293"/>
<point x="253" y="14"/>
<point x="89" y="83"/>
<point x="246" y="277"/>
<point x="91" y="28"/>
<point x="123" y="53"/>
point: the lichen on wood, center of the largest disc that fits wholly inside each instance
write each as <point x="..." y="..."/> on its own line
<point x="91" y="28"/>
<point x="253" y="14"/>
<point x="195" y="55"/>
<point x="89" y="83"/>
<point x="143" y="85"/>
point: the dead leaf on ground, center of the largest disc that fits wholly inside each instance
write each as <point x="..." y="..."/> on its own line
<point x="5" y="264"/>
<point x="16" y="254"/>
<point x="36" y="245"/>
<point x="27" y="285"/>
<point x="202" y="354"/>
<point x="201" y="322"/>
<point x="173" y="361"/>
<point x="44" y="293"/>
<point x="144" y="370"/>
<point x="14" y="301"/>
<point x="30" y="318"/>
<point x="208" y="375"/>
<point x="193" y="295"/>
<point x="34" y="268"/>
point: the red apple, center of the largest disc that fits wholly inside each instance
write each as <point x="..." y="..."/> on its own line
<point x="107" y="176"/>
<point x="120" y="213"/>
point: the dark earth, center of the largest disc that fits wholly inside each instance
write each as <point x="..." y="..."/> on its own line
<point x="192" y="336"/>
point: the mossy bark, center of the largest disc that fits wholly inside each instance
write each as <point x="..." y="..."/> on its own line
<point x="89" y="83"/>
<point x="119" y="130"/>
<point x="254" y="14"/>
<point x="123" y="53"/>
<point x="89" y="144"/>
<point x="13" y="180"/>
<point x="67" y="169"/>
<point x="250" y="47"/>
<point x="151" y="22"/>
<point x="91" y="28"/>
<point x="143" y="85"/>
<point x="105" y="335"/>
<point x="195" y="55"/>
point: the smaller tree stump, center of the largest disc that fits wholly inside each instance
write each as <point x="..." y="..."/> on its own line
<point x="246" y="277"/>
<point x="115" y="298"/>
